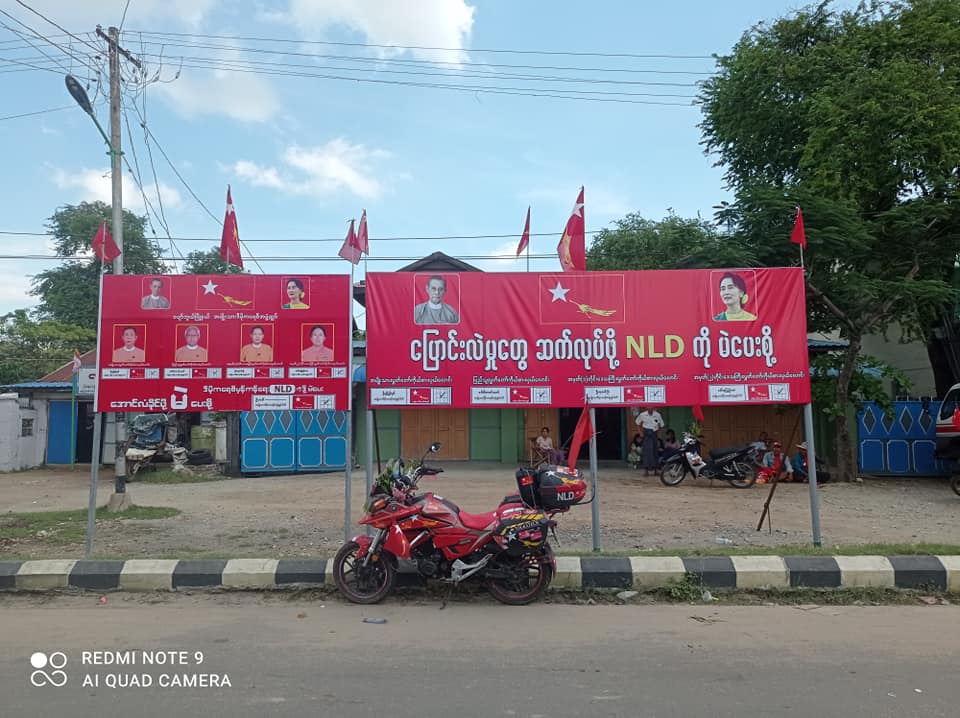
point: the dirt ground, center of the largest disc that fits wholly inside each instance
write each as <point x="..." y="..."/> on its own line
<point x="299" y="516"/>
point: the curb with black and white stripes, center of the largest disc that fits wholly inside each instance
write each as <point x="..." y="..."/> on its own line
<point x="934" y="573"/>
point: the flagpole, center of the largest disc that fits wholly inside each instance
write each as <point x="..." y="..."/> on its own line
<point x="73" y="421"/>
<point x="528" y="255"/>
<point x="348" y="472"/>
<point x="97" y="429"/>
<point x="801" y="256"/>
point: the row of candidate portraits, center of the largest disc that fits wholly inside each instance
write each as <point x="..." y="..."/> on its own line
<point x="192" y="341"/>
<point x="441" y="305"/>
<point x="736" y="291"/>
<point x="293" y="289"/>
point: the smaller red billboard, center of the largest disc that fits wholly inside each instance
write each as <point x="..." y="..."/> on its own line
<point x="224" y="343"/>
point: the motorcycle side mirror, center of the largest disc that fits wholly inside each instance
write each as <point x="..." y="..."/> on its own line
<point x="434" y="447"/>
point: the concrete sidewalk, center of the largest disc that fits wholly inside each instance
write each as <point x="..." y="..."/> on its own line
<point x="936" y="573"/>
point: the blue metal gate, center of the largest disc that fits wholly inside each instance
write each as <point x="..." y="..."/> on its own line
<point x="293" y="441"/>
<point x="901" y="444"/>
<point x="59" y="432"/>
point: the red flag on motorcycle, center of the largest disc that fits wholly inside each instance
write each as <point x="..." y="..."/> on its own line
<point x="698" y="413"/>
<point x="582" y="433"/>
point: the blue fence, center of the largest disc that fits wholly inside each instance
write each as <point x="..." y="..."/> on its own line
<point x="293" y="441"/>
<point x="899" y="444"/>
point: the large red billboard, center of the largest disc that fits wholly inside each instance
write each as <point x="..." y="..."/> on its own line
<point x="667" y="338"/>
<point x="233" y="342"/>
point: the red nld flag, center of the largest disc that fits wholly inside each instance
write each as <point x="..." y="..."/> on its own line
<point x="572" y="248"/>
<point x="520" y="395"/>
<point x="525" y="237"/>
<point x="230" y="239"/>
<point x="798" y="235"/>
<point x="698" y="413"/>
<point x="363" y="241"/>
<point x="350" y="250"/>
<point x="582" y="433"/>
<point x="104" y="246"/>
<point x="421" y="396"/>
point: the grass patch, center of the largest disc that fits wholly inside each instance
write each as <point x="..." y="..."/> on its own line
<point x="871" y="549"/>
<point x="169" y="476"/>
<point x="67" y="527"/>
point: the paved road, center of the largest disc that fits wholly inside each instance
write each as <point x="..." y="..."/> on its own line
<point x="289" y="657"/>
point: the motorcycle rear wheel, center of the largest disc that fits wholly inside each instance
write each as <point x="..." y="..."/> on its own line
<point x="359" y="583"/>
<point x="955" y="484"/>
<point x="672" y="473"/>
<point x="748" y="474"/>
<point x="532" y="576"/>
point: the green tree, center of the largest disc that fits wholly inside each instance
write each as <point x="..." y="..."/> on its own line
<point x="30" y="349"/>
<point x="673" y="242"/>
<point x="69" y="293"/>
<point x="209" y="262"/>
<point x="854" y="116"/>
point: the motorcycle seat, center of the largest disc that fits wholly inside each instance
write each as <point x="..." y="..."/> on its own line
<point x="727" y="450"/>
<point x="478" y="521"/>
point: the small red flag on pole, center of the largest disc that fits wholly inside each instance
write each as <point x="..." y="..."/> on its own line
<point x="525" y="237"/>
<point x="363" y="241"/>
<point x="698" y="413"/>
<point x="582" y="433"/>
<point x="230" y="239"/>
<point x="572" y="247"/>
<point x="798" y="235"/>
<point x="350" y="249"/>
<point x="104" y="246"/>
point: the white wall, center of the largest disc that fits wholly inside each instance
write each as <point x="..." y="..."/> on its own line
<point x="9" y="431"/>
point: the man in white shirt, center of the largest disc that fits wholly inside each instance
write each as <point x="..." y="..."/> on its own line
<point x="650" y="422"/>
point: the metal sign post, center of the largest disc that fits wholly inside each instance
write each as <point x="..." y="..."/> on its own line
<point x="812" y="472"/>
<point x="595" y="506"/>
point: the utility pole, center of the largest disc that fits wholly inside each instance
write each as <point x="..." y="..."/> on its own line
<point x="119" y="500"/>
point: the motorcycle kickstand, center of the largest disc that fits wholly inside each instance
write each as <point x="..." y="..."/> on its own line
<point x="446" y="599"/>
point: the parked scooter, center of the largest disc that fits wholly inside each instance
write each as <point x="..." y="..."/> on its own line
<point x="150" y="435"/>
<point x="735" y="464"/>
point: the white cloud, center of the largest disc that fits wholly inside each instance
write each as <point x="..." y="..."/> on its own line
<point x="94" y="184"/>
<point x="74" y="14"/>
<point x="242" y="96"/>
<point x="337" y="166"/>
<point x="423" y="23"/>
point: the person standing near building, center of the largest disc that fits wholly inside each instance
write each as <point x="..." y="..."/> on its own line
<point x="650" y="422"/>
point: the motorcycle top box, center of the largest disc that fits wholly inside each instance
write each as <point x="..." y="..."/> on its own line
<point x="551" y="488"/>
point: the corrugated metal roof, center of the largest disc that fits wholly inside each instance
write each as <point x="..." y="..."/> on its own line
<point x="49" y="385"/>
<point x="827" y="343"/>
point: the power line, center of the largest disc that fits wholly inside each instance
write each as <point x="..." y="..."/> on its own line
<point x="449" y="74"/>
<point x="65" y="51"/>
<point x="438" y="64"/>
<point x="124" y="18"/>
<point x="62" y="29"/>
<point x="340" y="239"/>
<point x="567" y="53"/>
<point x="333" y="258"/>
<point x="38" y="112"/>
<point x="582" y="95"/>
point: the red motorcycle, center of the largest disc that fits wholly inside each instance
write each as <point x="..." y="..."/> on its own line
<point x="506" y="548"/>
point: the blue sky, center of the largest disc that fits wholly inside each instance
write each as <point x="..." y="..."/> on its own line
<point x="305" y="154"/>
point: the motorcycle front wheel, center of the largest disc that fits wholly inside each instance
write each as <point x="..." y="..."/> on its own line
<point x="359" y="583"/>
<point x="672" y="473"/>
<point x="527" y="578"/>
<point x="748" y="476"/>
